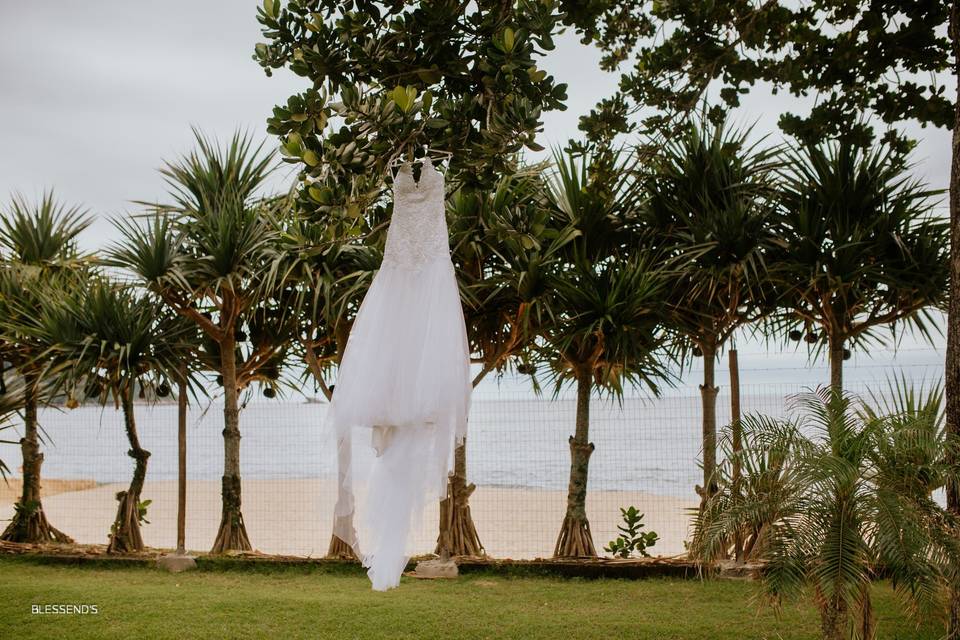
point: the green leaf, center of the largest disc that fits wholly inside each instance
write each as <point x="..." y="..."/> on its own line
<point x="508" y="39"/>
<point x="399" y="96"/>
<point x="311" y="158"/>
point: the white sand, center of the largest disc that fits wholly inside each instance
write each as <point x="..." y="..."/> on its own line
<point x="294" y="516"/>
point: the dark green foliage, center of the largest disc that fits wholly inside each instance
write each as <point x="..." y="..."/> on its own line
<point x="863" y="246"/>
<point x="384" y="78"/>
<point x="856" y="58"/>
<point x="632" y="539"/>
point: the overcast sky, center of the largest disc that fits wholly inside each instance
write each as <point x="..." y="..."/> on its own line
<point x="94" y="95"/>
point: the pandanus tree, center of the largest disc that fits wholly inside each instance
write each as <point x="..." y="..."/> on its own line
<point x="38" y="242"/>
<point x="112" y="343"/>
<point x="502" y="242"/>
<point x="207" y="256"/>
<point x="710" y="203"/>
<point x="864" y="248"/>
<point x="327" y="276"/>
<point x="843" y="492"/>
<point x="603" y="326"/>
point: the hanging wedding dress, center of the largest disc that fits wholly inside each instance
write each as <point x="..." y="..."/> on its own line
<point x="403" y="383"/>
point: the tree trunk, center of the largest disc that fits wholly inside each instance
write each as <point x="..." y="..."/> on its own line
<point x="575" y="539"/>
<point x="836" y="362"/>
<point x="737" y="437"/>
<point x="953" y="318"/>
<point x="29" y="523"/>
<point x="708" y="397"/>
<point x="232" y="535"/>
<point x="866" y="624"/>
<point x="458" y="535"/>
<point x="182" y="465"/>
<point x="833" y="620"/>
<point x="125" y="532"/>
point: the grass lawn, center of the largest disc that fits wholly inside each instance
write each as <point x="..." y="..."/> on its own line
<point x="317" y="602"/>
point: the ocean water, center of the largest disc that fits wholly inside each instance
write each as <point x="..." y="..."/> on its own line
<point x="641" y="444"/>
<point x="515" y="438"/>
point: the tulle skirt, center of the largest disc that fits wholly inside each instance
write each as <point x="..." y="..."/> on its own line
<point x="403" y="390"/>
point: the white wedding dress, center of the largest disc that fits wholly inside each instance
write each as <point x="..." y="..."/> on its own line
<point x="404" y="382"/>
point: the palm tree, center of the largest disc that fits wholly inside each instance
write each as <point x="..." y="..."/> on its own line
<point x="502" y="242"/>
<point x="207" y="256"/>
<point x="603" y="316"/>
<point x="327" y="278"/>
<point x="710" y="202"/>
<point x="606" y="332"/>
<point x="110" y="342"/>
<point x="38" y="243"/>
<point x="844" y="493"/>
<point x="864" y="248"/>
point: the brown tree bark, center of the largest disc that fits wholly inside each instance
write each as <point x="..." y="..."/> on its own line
<point x="836" y="361"/>
<point x="29" y="523"/>
<point x="833" y="620"/>
<point x="708" y="397"/>
<point x="952" y="364"/>
<point x="737" y="437"/>
<point x="182" y="465"/>
<point x="575" y="539"/>
<point x="232" y="535"/>
<point x="125" y="533"/>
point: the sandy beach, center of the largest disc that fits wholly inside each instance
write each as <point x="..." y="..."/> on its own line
<point x="294" y="516"/>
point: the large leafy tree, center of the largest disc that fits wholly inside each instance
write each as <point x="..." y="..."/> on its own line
<point x="864" y="248"/>
<point x="711" y="203"/>
<point x="854" y="57"/>
<point x="38" y="247"/>
<point x="208" y="255"/>
<point x="837" y="493"/>
<point x="386" y="77"/>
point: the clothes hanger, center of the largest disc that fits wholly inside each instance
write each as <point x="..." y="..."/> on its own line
<point x="428" y="153"/>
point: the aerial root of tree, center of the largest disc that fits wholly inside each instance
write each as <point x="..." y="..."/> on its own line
<point x="126" y="536"/>
<point x="458" y="535"/>
<point x="232" y="535"/>
<point x="340" y="550"/>
<point x="30" y="525"/>
<point x="29" y="522"/>
<point x="575" y="540"/>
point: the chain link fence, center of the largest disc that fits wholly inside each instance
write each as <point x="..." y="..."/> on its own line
<point x="647" y="454"/>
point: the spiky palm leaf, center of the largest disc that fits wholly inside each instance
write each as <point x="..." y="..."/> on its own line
<point x="864" y="247"/>
<point x="42" y="234"/>
<point x="710" y="201"/>
<point x="608" y="317"/>
<point x="848" y="497"/>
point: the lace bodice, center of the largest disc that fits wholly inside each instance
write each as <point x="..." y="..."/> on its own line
<point x="418" y="228"/>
